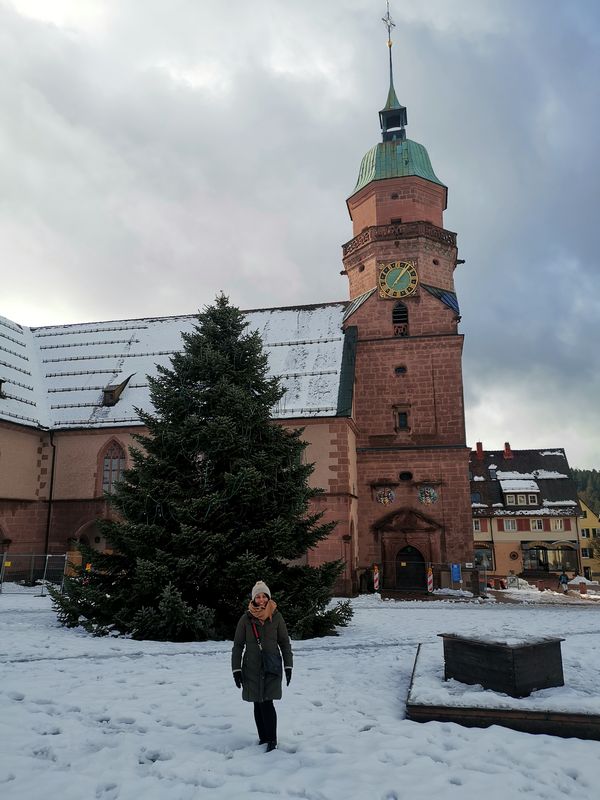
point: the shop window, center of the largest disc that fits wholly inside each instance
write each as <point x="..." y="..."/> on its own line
<point x="535" y="558"/>
<point x="484" y="557"/>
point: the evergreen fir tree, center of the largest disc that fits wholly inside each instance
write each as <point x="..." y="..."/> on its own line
<point x="217" y="498"/>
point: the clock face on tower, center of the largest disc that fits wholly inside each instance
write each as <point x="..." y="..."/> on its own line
<point x="398" y="279"/>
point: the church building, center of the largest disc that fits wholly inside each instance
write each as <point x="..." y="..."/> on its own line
<point x="375" y="380"/>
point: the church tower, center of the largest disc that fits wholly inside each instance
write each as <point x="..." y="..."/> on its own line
<point x="412" y="457"/>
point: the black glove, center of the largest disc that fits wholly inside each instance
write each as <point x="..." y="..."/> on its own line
<point x="288" y="675"/>
<point x="237" y="677"/>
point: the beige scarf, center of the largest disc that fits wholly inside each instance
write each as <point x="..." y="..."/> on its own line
<point x="263" y="614"/>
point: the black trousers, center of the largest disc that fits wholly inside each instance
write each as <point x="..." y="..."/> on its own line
<point x="265" y="717"/>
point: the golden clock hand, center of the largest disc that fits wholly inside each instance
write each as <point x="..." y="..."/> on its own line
<point x="399" y="276"/>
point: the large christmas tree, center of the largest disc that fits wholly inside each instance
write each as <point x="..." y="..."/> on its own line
<point x="217" y="498"/>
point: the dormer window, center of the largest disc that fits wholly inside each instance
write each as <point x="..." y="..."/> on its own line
<point x="521" y="500"/>
<point x="111" y="394"/>
<point x="510" y="499"/>
<point x="475" y="497"/>
<point x="532" y="499"/>
<point x="492" y="473"/>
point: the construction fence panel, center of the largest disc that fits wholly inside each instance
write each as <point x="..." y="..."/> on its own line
<point x="406" y="575"/>
<point x="31" y="573"/>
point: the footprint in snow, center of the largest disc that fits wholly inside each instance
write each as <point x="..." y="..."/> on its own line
<point x="16" y="696"/>
<point x="44" y="753"/>
<point x="107" y="791"/>
<point x="316" y="703"/>
<point x="212" y="782"/>
<point x="152" y="756"/>
<point x="53" y="730"/>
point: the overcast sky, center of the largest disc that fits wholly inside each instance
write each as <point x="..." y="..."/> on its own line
<point x="154" y="152"/>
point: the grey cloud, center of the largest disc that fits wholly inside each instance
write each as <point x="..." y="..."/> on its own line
<point x="129" y="191"/>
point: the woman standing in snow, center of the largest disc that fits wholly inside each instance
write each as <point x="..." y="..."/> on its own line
<point x="262" y="637"/>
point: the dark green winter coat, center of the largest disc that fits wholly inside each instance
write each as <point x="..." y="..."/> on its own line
<point x="256" y="686"/>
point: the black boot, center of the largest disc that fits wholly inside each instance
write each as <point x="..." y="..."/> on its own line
<point x="271" y="746"/>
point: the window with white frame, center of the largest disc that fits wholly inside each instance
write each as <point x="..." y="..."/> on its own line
<point x="521" y="500"/>
<point x="510" y="524"/>
<point x="477" y="525"/>
<point x="510" y="499"/>
<point x="586" y="552"/>
<point x="557" y="525"/>
<point x="532" y="499"/>
<point x="595" y="533"/>
<point x="537" y="524"/>
<point x="585" y="533"/>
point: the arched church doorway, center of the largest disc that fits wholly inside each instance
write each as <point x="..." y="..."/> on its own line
<point x="410" y="569"/>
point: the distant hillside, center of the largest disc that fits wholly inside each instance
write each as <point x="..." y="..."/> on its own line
<point x="588" y="486"/>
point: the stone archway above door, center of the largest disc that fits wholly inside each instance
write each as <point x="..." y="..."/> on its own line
<point x="401" y="530"/>
<point x="406" y="520"/>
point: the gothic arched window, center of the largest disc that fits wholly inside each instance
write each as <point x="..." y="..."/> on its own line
<point x="400" y="319"/>
<point x="112" y="466"/>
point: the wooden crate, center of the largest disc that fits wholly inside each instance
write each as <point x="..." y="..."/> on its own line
<point x="517" y="669"/>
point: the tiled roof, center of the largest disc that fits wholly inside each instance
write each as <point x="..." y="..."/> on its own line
<point x="547" y="469"/>
<point x="54" y="377"/>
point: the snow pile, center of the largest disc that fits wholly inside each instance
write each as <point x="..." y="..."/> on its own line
<point x="580" y="579"/>
<point x="513" y="485"/>
<point x="559" y="503"/>
<point x="453" y="592"/>
<point x="117" y="719"/>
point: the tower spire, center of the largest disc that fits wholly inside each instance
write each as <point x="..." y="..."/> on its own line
<point x="393" y="115"/>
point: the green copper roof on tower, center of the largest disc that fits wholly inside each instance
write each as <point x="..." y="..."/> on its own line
<point x="396" y="156"/>
<point x="395" y="159"/>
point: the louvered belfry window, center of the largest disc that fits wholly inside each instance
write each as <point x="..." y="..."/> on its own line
<point x="114" y="464"/>
<point x="400" y="319"/>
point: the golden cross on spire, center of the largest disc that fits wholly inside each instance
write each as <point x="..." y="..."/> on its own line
<point x="389" y="23"/>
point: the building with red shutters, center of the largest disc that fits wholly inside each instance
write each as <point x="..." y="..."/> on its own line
<point x="525" y="514"/>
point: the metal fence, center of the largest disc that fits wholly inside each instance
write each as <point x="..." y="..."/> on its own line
<point x="28" y="573"/>
<point x="407" y="574"/>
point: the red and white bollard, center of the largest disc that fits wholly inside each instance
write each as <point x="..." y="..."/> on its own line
<point x="376" y="577"/>
<point x="429" y="579"/>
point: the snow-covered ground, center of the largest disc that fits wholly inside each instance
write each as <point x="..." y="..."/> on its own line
<point x="113" y="718"/>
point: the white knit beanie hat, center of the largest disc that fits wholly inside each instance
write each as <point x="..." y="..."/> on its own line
<point x="261" y="587"/>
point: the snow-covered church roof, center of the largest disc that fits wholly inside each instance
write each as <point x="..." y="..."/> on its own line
<point x="54" y="377"/>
